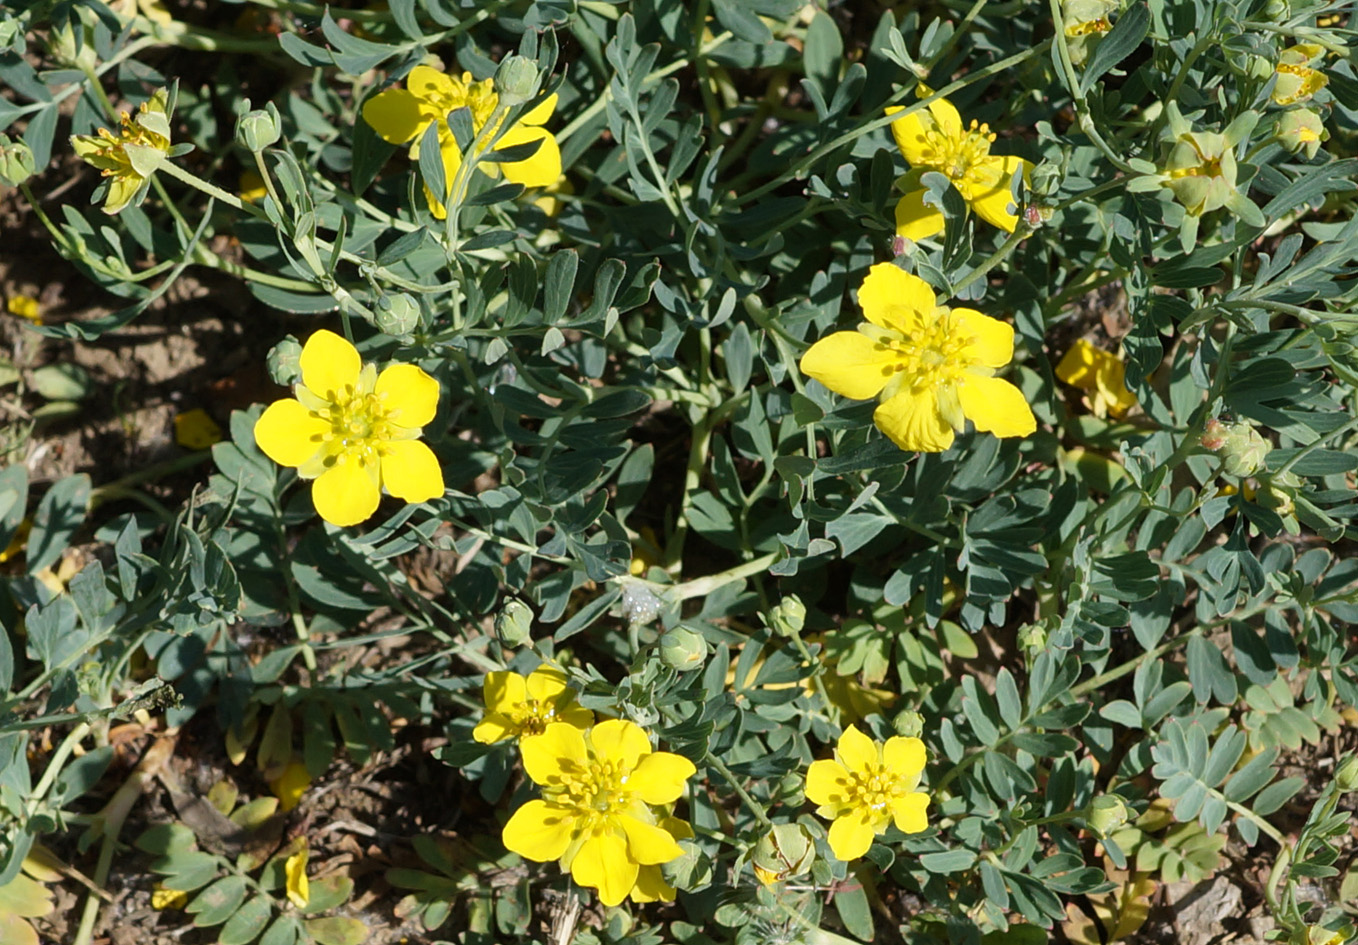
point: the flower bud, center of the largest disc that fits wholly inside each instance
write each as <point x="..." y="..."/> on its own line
<point x="16" y="161"/>
<point x="788" y="617"/>
<point x="514" y="623"/>
<point x="1301" y="131"/>
<point x="683" y="649"/>
<point x="397" y="315"/>
<point x="1241" y="447"/>
<point x="784" y="852"/>
<point x="259" y="129"/>
<point x="1105" y="814"/>
<point x="516" y="81"/>
<point x="285" y="361"/>
<point x="1346" y="778"/>
<point x="1033" y="636"/>
<point x="908" y="723"/>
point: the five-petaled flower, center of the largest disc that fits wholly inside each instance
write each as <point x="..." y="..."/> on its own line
<point x="597" y="813"/>
<point x="517" y="707"/>
<point x="354" y="431"/>
<point x="934" y="139"/>
<point x="1099" y="374"/>
<point x="401" y="116"/>
<point x="867" y="787"/>
<point x="130" y="157"/>
<point x="932" y="367"/>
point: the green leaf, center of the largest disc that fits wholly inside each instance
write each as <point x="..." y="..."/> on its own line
<point x="558" y="284"/>
<point x="824" y="51"/>
<point x="337" y="930"/>
<point x="218" y="902"/>
<point x="1126" y="35"/>
<point x="949" y="861"/>
<point x="243" y="927"/>
<point x="59" y="514"/>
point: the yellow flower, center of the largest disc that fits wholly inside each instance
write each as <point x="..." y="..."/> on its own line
<point x="1297" y="81"/>
<point x="252" y="189"/>
<point x="867" y="787"/>
<point x="651" y="885"/>
<point x="935" y="140"/>
<point x="1101" y="375"/>
<point x="130" y="157"/>
<point x="517" y="707"/>
<point x="354" y="431"/>
<point x="596" y="815"/>
<point x="401" y="116"/>
<point x="295" y="879"/>
<point x="24" y="307"/>
<point x="931" y="366"/>
<point x="289" y="786"/>
<point x="162" y="898"/>
<point x="195" y="430"/>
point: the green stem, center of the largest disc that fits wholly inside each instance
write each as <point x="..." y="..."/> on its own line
<point x="750" y="803"/>
<point x="1021" y="232"/>
<point x="703" y="586"/>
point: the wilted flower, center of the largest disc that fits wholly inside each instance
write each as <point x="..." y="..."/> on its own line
<point x="291" y="785"/>
<point x="517" y="707"/>
<point x="1106" y="813"/>
<point x="400" y="116"/>
<point x="296" y="885"/>
<point x="866" y="788"/>
<point x="1085" y="22"/>
<point x="597" y="813"/>
<point x="1301" y="131"/>
<point x="354" y="431"/>
<point x="932" y="367"/>
<point x="1297" y="81"/>
<point x="130" y="157"/>
<point x="17" y="163"/>
<point x="1101" y="375"/>
<point x="935" y="139"/>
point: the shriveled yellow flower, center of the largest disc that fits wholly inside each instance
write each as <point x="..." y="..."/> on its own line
<point x="1099" y="374"/>
<point x="162" y="898"/>
<point x="932" y="367"/>
<point x="130" y="157"/>
<point x="354" y="431"/>
<point x="296" y="884"/>
<point x="291" y="785"/>
<point x="195" y="430"/>
<point x="934" y="139"/>
<point x="25" y="307"/>
<point x="1297" y="79"/>
<point x="401" y="116"/>
<point x="597" y="814"/>
<point x="866" y="788"/>
<point x="517" y="707"/>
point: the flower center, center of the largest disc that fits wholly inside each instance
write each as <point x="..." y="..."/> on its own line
<point x="1100" y="25"/>
<point x="359" y="424"/>
<point x="955" y="157"/>
<point x="480" y="97"/>
<point x="598" y="791"/>
<point x="536" y="717"/>
<point x="114" y="147"/>
<point x="874" y="788"/>
<point x="933" y="356"/>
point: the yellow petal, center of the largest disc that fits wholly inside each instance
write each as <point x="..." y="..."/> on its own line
<point x="651" y="886"/>
<point x="560" y="749"/>
<point x="576" y="715"/>
<point x="503" y="691"/>
<point x="409" y="395"/>
<point x="296" y="885"/>
<point x="411" y="471"/>
<point x="914" y="220"/>
<point x="547" y="684"/>
<point x="329" y="364"/>
<point x="541" y="169"/>
<point x="851" y="835"/>
<point x="892" y="298"/>
<point x="494" y="728"/>
<point x="659" y="778"/>
<point x="827" y="783"/>
<point x="428" y="84"/>
<point x="904" y="758"/>
<point x="850" y="364"/>
<point x="992" y="340"/>
<point x="540" y="113"/>
<point x="291" y="785"/>
<point x="395" y="115"/>
<point x="986" y="189"/>
<point x="995" y="406"/>
<point x="856" y="752"/>
<point x="603" y="863"/>
<point x="909" y="812"/>
<point x="620" y="742"/>
<point x="647" y="844"/>
<point x="946" y="117"/>
<point x="539" y="831"/>
<point x="914" y="421"/>
<point x="288" y="433"/>
<point x="347" y="493"/>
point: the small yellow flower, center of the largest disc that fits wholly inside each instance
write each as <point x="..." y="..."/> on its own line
<point x="867" y="787"/>
<point x="932" y="367"/>
<point x="195" y="430"/>
<point x="252" y="189"/>
<point x="597" y="813"/>
<point x="354" y="431"/>
<point x="1297" y="81"/>
<point x="517" y="707"/>
<point x="162" y="898"/>
<point x="24" y="307"/>
<point x="1101" y="375"/>
<point x="130" y="157"/>
<point x="295" y="879"/>
<point x="289" y="786"/>
<point x="935" y="139"/>
<point x="401" y="116"/>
